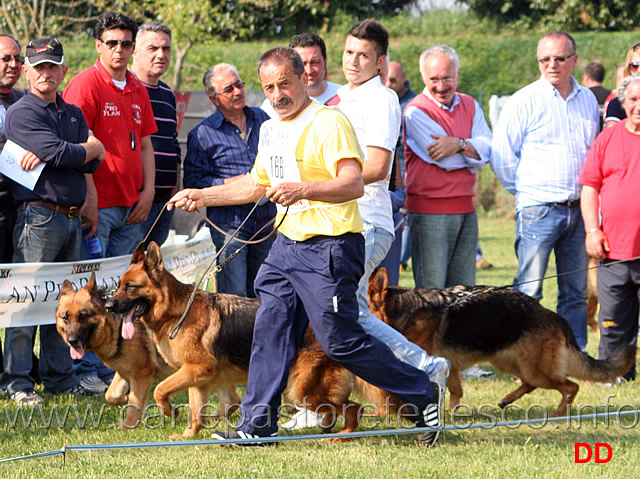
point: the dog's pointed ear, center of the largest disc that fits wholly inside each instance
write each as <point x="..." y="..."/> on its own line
<point x="138" y="253"/>
<point x="91" y="284"/>
<point x="153" y="261"/>
<point x="380" y="279"/>
<point x="378" y="282"/>
<point x="66" y="287"/>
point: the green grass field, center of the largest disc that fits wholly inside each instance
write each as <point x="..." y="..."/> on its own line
<point x="525" y="450"/>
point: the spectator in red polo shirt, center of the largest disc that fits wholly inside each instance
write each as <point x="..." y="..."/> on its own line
<point x="120" y="193"/>
<point x="118" y="111"/>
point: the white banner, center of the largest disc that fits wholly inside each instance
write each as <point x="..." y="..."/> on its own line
<point x="29" y="291"/>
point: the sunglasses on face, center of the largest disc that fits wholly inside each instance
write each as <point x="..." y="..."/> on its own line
<point x="229" y="90"/>
<point x="546" y="60"/>
<point x="17" y="58"/>
<point x="112" y="44"/>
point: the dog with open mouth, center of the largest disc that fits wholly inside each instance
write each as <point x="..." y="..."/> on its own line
<point x="126" y="347"/>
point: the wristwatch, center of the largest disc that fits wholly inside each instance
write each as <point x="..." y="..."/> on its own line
<point x="464" y="144"/>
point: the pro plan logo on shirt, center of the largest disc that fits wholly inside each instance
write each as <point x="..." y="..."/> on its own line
<point x="110" y="109"/>
<point x="137" y="113"/>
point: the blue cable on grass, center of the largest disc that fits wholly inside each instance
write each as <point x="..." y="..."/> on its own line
<point x="306" y="437"/>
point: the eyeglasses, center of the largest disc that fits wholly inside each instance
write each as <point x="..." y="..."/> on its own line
<point x="634" y="65"/>
<point x="230" y="89"/>
<point x="17" y="58"/>
<point x="560" y="60"/>
<point x="112" y="44"/>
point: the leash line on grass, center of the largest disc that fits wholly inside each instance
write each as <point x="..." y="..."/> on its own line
<point x="308" y="437"/>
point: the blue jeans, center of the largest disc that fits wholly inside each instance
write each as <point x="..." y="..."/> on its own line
<point x="377" y="243"/>
<point x="162" y="227"/>
<point x="443" y="249"/>
<point x="117" y="237"/>
<point x="41" y="235"/>
<point x="539" y="230"/>
<point x="238" y="275"/>
<point x="315" y="282"/>
<point x="405" y="254"/>
<point x="391" y="261"/>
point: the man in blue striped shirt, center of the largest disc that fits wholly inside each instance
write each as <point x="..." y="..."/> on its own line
<point x="220" y="148"/>
<point x="539" y="146"/>
<point x="151" y="60"/>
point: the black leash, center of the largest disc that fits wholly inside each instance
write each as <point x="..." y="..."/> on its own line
<point x="464" y="295"/>
<point x="231" y="237"/>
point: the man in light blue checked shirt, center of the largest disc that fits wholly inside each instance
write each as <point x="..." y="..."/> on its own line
<point x="539" y="146"/>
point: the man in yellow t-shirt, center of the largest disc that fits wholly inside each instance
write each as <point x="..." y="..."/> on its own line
<point x="309" y="164"/>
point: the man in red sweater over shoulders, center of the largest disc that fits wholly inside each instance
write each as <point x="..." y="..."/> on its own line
<point x="446" y="140"/>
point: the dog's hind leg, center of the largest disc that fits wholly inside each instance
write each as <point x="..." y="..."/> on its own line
<point x="228" y="400"/>
<point x="517" y="394"/>
<point x="352" y="412"/>
<point x="569" y="390"/>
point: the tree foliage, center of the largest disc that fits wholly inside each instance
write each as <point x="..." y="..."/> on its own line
<point x="27" y="19"/>
<point x="572" y="15"/>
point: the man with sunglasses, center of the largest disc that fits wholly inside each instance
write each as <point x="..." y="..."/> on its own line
<point x="118" y="111"/>
<point x="539" y="145"/>
<point x="119" y="194"/>
<point x="221" y="148"/>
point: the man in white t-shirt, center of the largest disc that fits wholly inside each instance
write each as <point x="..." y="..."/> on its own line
<point x="313" y="51"/>
<point x="374" y="113"/>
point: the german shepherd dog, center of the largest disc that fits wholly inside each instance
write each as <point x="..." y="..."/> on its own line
<point x="85" y="324"/>
<point x="213" y="346"/>
<point x="507" y="328"/>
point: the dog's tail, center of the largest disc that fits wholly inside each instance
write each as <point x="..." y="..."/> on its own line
<point x="584" y="367"/>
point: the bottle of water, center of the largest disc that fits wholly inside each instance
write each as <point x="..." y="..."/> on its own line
<point x="94" y="245"/>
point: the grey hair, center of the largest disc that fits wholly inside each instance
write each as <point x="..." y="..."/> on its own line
<point x="445" y="50"/>
<point x="622" y="91"/>
<point x="214" y="71"/>
<point x="155" y="27"/>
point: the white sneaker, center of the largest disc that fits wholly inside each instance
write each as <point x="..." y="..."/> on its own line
<point x="27" y="397"/>
<point x="303" y="419"/>
<point x="434" y="413"/>
<point x="93" y="384"/>
<point x="475" y="372"/>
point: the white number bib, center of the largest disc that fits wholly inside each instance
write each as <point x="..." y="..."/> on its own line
<point x="278" y="143"/>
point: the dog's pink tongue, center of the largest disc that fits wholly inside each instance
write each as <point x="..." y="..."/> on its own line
<point x="76" y="353"/>
<point x="128" y="329"/>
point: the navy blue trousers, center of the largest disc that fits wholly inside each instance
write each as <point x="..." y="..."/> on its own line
<point x="315" y="282"/>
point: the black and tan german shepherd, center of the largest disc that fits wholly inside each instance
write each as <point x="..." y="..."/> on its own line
<point x="213" y="347"/>
<point x="85" y="324"/>
<point x="502" y="326"/>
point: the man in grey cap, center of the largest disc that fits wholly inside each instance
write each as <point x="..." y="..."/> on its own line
<point x="53" y="133"/>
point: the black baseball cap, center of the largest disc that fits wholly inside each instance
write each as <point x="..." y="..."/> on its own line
<point x="44" y="50"/>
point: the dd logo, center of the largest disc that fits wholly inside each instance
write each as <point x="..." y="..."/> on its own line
<point x="589" y="452"/>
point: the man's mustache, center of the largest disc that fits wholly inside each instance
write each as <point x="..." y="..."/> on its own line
<point x="284" y="101"/>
